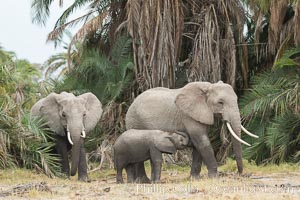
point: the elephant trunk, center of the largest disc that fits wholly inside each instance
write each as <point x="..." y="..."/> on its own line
<point x="76" y="149"/>
<point x="237" y="147"/>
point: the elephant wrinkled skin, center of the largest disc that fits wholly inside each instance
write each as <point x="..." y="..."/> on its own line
<point x="70" y="118"/>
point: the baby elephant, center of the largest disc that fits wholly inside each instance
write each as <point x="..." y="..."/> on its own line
<point x="135" y="146"/>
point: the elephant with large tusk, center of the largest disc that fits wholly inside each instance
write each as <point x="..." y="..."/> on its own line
<point x="190" y="109"/>
<point x="70" y="118"/>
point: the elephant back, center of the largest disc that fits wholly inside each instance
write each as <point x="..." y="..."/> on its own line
<point x="154" y="109"/>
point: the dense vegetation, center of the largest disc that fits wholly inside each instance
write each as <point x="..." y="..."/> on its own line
<point x="272" y="108"/>
<point x="23" y="142"/>
<point x="124" y="47"/>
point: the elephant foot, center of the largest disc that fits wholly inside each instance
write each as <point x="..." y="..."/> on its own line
<point x="84" y="179"/>
<point x="195" y="177"/>
<point x="212" y="174"/>
<point x="130" y="181"/>
<point x="130" y="178"/>
<point x="120" y="181"/>
<point x="143" y="179"/>
<point x="156" y="181"/>
<point x="64" y="176"/>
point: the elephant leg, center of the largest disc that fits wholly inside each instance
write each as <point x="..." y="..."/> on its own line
<point x="196" y="164"/>
<point x="119" y="175"/>
<point x="141" y="176"/>
<point x="198" y="134"/>
<point x="61" y="148"/>
<point x="207" y="153"/>
<point x="130" y="173"/>
<point x="156" y="162"/>
<point x="152" y="171"/>
<point x="82" y="167"/>
<point x="119" y="167"/>
<point x="134" y="172"/>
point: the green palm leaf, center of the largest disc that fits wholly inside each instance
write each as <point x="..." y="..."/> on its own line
<point x="274" y="101"/>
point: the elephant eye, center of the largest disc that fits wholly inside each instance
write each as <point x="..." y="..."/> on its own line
<point x="221" y="103"/>
<point x="63" y="115"/>
<point x="84" y="114"/>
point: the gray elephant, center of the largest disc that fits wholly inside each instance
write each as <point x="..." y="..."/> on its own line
<point x="189" y="109"/>
<point x="70" y="118"/>
<point x="140" y="145"/>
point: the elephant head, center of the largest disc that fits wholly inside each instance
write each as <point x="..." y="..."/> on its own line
<point x="170" y="142"/>
<point x="75" y="116"/>
<point x="202" y="100"/>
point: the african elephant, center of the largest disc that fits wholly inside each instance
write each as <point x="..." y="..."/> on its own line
<point x="70" y="118"/>
<point x="140" y="145"/>
<point x="189" y="109"/>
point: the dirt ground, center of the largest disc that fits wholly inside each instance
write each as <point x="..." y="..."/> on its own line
<point x="25" y="184"/>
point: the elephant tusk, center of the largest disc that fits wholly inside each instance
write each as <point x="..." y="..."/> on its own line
<point x="83" y="135"/>
<point x="69" y="137"/>
<point x="235" y="136"/>
<point x="248" y="133"/>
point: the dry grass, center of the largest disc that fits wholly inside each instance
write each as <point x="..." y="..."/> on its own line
<point x="269" y="182"/>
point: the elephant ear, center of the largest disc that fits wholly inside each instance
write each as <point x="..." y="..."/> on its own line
<point x="192" y="102"/>
<point x="93" y="111"/>
<point x="48" y="109"/>
<point x="164" y="144"/>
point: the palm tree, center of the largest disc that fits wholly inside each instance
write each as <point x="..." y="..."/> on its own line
<point x="21" y="139"/>
<point x="276" y="25"/>
<point x="61" y="63"/>
<point x="272" y="109"/>
<point x="6" y="121"/>
<point x="55" y="66"/>
<point x="273" y="29"/>
<point x="207" y="31"/>
<point x="206" y="38"/>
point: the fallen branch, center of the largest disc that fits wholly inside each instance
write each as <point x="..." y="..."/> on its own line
<point x="20" y="190"/>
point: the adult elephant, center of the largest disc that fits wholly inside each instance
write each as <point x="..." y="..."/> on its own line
<point x="189" y="109"/>
<point x="70" y="118"/>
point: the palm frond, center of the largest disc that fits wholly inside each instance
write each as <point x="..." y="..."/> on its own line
<point x="283" y="137"/>
<point x="59" y="65"/>
<point x="105" y="75"/>
<point x="71" y="9"/>
<point x="277" y="91"/>
<point x="259" y="150"/>
<point x="289" y="58"/>
<point x="92" y="20"/>
<point x="6" y="123"/>
<point x="156" y="28"/>
<point x="37" y="144"/>
<point x="274" y="100"/>
<point x="58" y="31"/>
<point x="40" y="11"/>
<point x="47" y="161"/>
